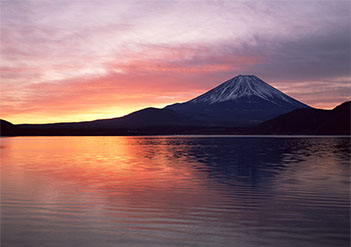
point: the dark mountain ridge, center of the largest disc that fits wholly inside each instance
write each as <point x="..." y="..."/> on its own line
<point x="7" y="128"/>
<point x="148" y="117"/>
<point x="310" y="122"/>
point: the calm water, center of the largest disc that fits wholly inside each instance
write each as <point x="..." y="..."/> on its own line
<point x="175" y="191"/>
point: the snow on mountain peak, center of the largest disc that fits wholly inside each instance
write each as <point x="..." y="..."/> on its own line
<point x="242" y="86"/>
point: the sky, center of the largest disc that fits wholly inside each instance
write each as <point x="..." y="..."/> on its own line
<point x="83" y="60"/>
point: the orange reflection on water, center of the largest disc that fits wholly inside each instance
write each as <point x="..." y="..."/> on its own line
<point x="117" y="169"/>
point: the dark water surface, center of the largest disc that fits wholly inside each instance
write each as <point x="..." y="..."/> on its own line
<point x="175" y="191"/>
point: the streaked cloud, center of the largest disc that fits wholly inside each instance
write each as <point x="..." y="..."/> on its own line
<point x="80" y="60"/>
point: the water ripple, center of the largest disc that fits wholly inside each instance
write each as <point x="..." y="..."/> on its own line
<point x="175" y="191"/>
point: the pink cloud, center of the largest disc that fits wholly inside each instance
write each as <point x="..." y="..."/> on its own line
<point x="84" y="57"/>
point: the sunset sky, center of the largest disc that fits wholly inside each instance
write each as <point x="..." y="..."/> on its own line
<point x="83" y="60"/>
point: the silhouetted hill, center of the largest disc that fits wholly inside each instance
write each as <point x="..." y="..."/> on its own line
<point x="7" y="128"/>
<point x="148" y="117"/>
<point x="147" y="121"/>
<point x="310" y="121"/>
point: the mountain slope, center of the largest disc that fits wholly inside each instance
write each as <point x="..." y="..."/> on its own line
<point x="140" y="119"/>
<point x="310" y="121"/>
<point x="7" y="128"/>
<point x="242" y="100"/>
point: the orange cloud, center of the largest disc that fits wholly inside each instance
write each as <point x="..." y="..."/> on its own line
<point x="156" y="77"/>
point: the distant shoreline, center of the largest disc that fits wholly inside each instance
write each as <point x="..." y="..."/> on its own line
<point x="304" y="121"/>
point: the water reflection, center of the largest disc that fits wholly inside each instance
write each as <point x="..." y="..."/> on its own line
<point x="175" y="191"/>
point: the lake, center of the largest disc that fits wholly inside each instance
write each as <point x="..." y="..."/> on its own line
<point x="175" y="191"/>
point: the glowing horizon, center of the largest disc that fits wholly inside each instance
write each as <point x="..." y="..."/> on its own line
<point x="83" y="60"/>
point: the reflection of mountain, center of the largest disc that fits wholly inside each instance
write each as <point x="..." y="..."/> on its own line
<point x="253" y="161"/>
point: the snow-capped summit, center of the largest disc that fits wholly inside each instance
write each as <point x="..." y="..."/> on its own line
<point x="244" y="99"/>
<point x="243" y="86"/>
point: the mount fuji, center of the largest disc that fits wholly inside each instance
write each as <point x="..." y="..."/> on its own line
<point x="242" y="100"/>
